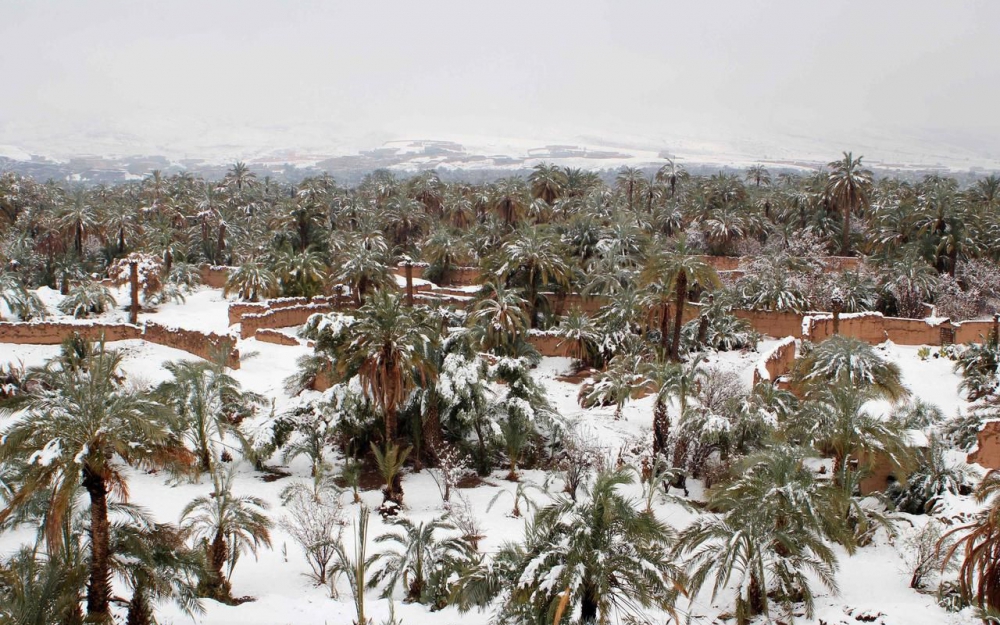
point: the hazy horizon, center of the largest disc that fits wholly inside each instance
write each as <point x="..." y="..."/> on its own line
<point x="895" y="79"/>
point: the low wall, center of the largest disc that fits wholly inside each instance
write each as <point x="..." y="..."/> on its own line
<point x="776" y="362"/>
<point x="972" y="331"/>
<point x="771" y="323"/>
<point x="54" y="333"/>
<point x="214" y="276"/>
<point x="273" y="336"/>
<point x="987" y="452"/>
<point x="550" y="346"/>
<point x="281" y="317"/>
<point x="237" y="310"/>
<point x="460" y="276"/>
<point x="205" y="345"/>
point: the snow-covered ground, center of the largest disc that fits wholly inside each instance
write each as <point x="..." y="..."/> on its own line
<point x="872" y="580"/>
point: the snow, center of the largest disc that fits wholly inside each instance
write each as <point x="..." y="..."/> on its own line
<point x="870" y="580"/>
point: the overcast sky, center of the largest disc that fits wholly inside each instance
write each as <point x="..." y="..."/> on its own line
<point x="150" y="74"/>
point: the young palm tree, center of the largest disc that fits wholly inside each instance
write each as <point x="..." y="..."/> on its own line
<point x="606" y="554"/>
<point x="616" y="385"/>
<point x="227" y="525"/>
<point x="207" y="405"/>
<point x="421" y="560"/>
<point x="39" y="590"/>
<point x="252" y="281"/>
<point x="355" y="566"/>
<point x="86" y="299"/>
<point x="849" y="186"/>
<point x="667" y="380"/>
<point x="86" y="424"/>
<point x="768" y="552"/>
<point x="835" y="421"/>
<point x="842" y="360"/>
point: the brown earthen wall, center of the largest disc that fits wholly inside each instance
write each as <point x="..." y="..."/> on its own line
<point x="551" y="346"/>
<point x="972" y="331"/>
<point x="776" y="324"/>
<point x="281" y="318"/>
<point x="987" y="453"/>
<point x="778" y="362"/>
<point x="207" y="345"/>
<point x="214" y="276"/>
<point x="273" y="336"/>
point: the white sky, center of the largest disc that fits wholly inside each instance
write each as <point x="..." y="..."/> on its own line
<point x="89" y="76"/>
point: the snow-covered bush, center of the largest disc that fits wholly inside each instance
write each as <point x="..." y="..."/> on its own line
<point x="316" y="522"/>
<point x="933" y="478"/>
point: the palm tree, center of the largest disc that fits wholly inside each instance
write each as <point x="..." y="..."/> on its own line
<point x="499" y="316"/>
<point x="227" y="525"/>
<point x="849" y="187"/>
<point x="845" y="361"/>
<point x="509" y="200"/>
<point x="673" y="274"/>
<point x="548" y="183"/>
<point x="87" y="298"/>
<point x="672" y="174"/>
<point x="835" y="422"/>
<point x="252" y="281"/>
<point x="39" y="590"/>
<point x="355" y="566"/>
<point x="302" y="274"/>
<point x="979" y="542"/>
<point x="420" y="560"/>
<point x="758" y="175"/>
<point x="768" y="552"/>
<point x="87" y="424"/>
<point x="207" y="405"/>
<point x="603" y="554"/>
<point x="669" y="379"/>
<point x="80" y="219"/>
<point x="616" y="384"/>
<point x="389" y="354"/>
<point x="533" y="259"/>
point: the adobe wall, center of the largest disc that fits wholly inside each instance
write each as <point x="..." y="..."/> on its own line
<point x="911" y="331"/>
<point x="972" y="331"/>
<point x="273" y="336"/>
<point x="202" y="344"/>
<point x="550" y="346"/>
<point x="281" y="317"/>
<point x="214" y="276"/>
<point x="237" y="310"/>
<point x="772" y="323"/>
<point x="878" y="480"/>
<point x="868" y="327"/>
<point x="987" y="452"/>
<point x="207" y="345"/>
<point x="460" y="276"/>
<point x="563" y="303"/>
<point x="54" y="333"/>
<point x="776" y="362"/>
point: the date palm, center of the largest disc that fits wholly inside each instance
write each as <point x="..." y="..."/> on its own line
<point x="548" y="183"/>
<point x="849" y="187"/>
<point x="667" y="278"/>
<point x="87" y="425"/>
<point x="227" y="525"/>
<point x="389" y="353"/>
<point x="252" y="281"/>
<point x="206" y="405"/>
<point x="533" y="259"/>
<point x="603" y="554"/>
<point x="979" y="544"/>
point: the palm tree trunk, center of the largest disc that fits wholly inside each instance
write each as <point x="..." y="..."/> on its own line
<point x="432" y="433"/>
<point x="217" y="587"/>
<point x="133" y="279"/>
<point x="845" y="240"/>
<point x="139" y="612"/>
<point x="99" y="586"/>
<point x="661" y="428"/>
<point x="588" y="604"/>
<point x="682" y="287"/>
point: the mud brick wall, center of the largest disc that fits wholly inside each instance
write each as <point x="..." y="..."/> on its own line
<point x="987" y="452"/>
<point x="281" y="317"/>
<point x="273" y="336"/>
<point x="776" y="324"/>
<point x="776" y="362"/>
<point x="214" y="276"/>
<point x="54" y="333"/>
<point x="551" y="346"/>
<point x="205" y="345"/>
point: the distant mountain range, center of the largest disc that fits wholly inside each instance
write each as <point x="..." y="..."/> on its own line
<point x="477" y="158"/>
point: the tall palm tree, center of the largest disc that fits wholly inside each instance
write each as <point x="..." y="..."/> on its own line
<point x="389" y="354"/>
<point x="499" y="317"/>
<point x="670" y="275"/>
<point x="603" y="553"/>
<point x="849" y="186"/>
<point x="533" y="259"/>
<point x="548" y="183"/>
<point x="227" y="525"/>
<point x="87" y="425"/>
